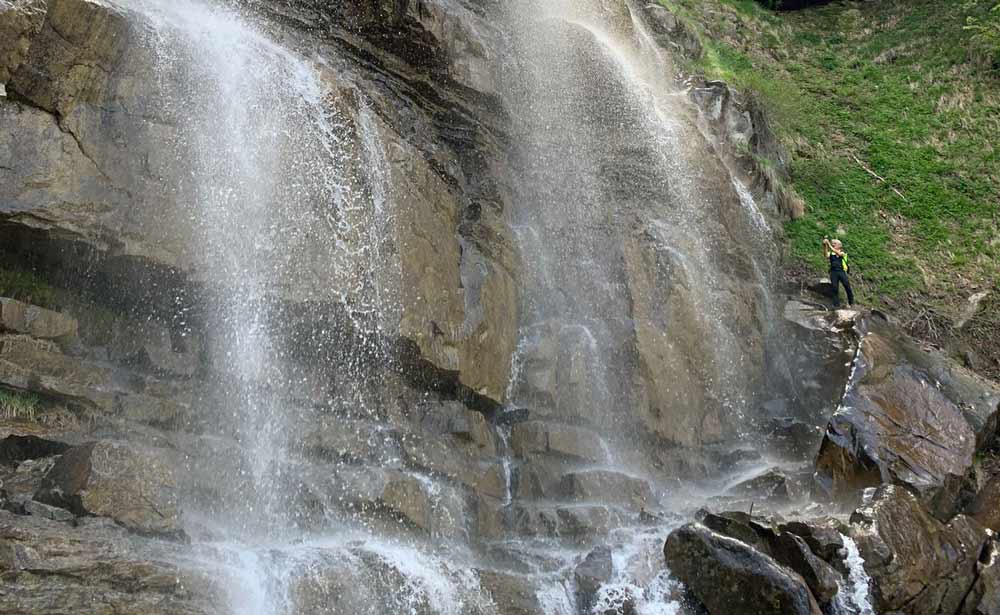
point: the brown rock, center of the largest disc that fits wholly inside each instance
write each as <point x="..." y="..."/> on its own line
<point x="986" y="507"/>
<point x="918" y="564"/>
<point x="536" y="437"/>
<point x="20" y="20"/>
<point x="73" y="55"/>
<point x="38" y="366"/>
<point x="607" y="487"/>
<point x="513" y="594"/>
<point x="18" y="317"/>
<point x="55" y="568"/>
<point x="909" y="418"/>
<point x="134" y="487"/>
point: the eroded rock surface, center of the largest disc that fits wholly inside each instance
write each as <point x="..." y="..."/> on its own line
<point x="919" y="565"/>
<point x="908" y="417"/>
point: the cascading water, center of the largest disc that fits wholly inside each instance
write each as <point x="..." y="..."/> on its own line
<point x="855" y="597"/>
<point x="617" y="176"/>
<point x="292" y="212"/>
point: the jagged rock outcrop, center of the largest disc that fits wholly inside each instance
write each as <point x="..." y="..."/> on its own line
<point x="730" y="577"/>
<point x="908" y="417"/>
<point x="919" y="565"/>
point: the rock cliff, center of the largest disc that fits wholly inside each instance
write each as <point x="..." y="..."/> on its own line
<point x="430" y="306"/>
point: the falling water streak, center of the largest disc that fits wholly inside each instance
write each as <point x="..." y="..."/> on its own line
<point x="656" y="90"/>
<point x="855" y="599"/>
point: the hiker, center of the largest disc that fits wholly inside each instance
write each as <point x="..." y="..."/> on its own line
<point x="834" y="250"/>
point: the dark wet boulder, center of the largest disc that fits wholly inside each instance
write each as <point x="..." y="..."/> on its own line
<point x="822" y="535"/>
<point x="793" y="552"/>
<point x="909" y="417"/>
<point x="594" y="571"/>
<point x="787" y="548"/>
<point x="731" y="578"/>
<point x="793" y="438"/>
<point x="919" y="565"/>
<point x="740" y="526"/>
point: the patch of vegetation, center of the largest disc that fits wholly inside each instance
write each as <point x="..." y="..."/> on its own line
<point x="984" y="23"/>
<point x="97" y="321"/>
<point x="26" y="286"/>
<point x="890" y="122"/>
<point x="16" y="405"/>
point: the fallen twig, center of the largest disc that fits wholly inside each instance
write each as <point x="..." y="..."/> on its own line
<point x="879" y="177"/>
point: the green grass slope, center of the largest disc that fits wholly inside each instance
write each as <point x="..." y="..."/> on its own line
<point x="893" y="124"/>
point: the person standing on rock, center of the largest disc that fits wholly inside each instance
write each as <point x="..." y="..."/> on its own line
<point x="834" y="250"/>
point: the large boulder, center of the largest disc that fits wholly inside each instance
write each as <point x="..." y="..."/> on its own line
<point x="919" y="565"/>
<point x="908" y="417"/>
<point x="135" y="487"/>
<point x="730" y="578"/>
<point x="786" y="547"/>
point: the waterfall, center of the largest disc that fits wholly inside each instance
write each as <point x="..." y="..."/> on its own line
<point x="855" y="598"/>
<point x="292" y="213"/>
<point x="608" y="150"/>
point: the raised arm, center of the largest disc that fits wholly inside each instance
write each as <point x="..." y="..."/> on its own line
<point x="826" y="247"/>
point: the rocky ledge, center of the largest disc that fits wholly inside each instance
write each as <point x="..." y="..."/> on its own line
<point x="907" y="475"/>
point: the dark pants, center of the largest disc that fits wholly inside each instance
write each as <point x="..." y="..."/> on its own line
<point x="840" y="277"/>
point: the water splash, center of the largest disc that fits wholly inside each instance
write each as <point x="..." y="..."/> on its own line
<point x="855" y="599"/>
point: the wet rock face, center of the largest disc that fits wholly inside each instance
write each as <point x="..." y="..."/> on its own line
<point x="919" y="565"/>
<point x="909" y="417"/>
<point x="51" y="567"/>
<point x="729" y="577"/>
<point x="134" y="487"/>
<point x="986" y="507"/>
<point x="83" y="70"/>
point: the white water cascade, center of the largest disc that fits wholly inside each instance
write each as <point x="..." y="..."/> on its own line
<point x="855" y="598"/>
<point x="273" y="188"/>
<point x="291" y="209"/>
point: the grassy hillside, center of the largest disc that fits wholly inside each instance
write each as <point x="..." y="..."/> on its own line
<point x="893" y="122"/>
